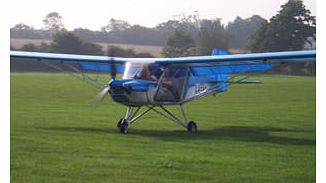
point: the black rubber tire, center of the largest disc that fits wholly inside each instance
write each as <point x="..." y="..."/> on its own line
<point x="124" y="127"/>
<point x="192" y="127"/>
<point x="119" y="123"/>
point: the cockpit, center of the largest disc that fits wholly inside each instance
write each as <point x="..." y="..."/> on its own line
<point x="149" y="72"/>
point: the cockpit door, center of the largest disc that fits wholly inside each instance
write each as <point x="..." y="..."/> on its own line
<point x="172" y="84"/>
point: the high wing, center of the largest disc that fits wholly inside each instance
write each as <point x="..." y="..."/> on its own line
<point x="215" y="64"/>
<point x="76" y="65"/>
<point x="73" y="57"/>
<point x="268" y="58"/>
<point x="245" y="65"/>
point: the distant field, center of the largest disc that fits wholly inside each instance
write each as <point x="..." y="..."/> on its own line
<point x="154" y="50"/>
<point x="253" y="133"/>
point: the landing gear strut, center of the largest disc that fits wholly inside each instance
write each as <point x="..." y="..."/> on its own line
<point x="131" y="117"/>
<point x="119" y="122"/>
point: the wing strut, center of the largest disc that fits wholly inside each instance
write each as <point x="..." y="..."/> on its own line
<point x="81" y="75"/>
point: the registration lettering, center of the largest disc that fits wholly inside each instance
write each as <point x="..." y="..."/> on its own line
<point x="200" y="88"/>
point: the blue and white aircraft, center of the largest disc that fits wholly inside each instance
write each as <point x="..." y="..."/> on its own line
<point x="152" y="83"/>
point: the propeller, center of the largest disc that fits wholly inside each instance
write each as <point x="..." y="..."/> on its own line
<point x="100" y="96"/>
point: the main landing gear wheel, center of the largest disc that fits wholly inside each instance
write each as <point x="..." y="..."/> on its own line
<point x="123" y="126"/>
<point x="192" y="127"/>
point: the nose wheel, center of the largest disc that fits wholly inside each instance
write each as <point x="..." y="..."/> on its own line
<point x="123" y="126"/>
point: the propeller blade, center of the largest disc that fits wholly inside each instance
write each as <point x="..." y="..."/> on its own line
<point x="99" y="97"/>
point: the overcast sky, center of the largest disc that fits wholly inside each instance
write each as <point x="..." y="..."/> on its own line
<point x="96" y="13"/>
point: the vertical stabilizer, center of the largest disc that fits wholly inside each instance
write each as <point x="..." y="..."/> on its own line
<point x="217" y="51"/>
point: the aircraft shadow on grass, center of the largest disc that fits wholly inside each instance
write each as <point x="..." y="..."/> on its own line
<point x="239" y="133"/>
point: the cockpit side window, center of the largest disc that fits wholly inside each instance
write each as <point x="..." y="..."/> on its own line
<point x="172" y="84"/>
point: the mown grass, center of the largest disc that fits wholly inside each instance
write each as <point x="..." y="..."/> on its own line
<point x="253" y="133"/>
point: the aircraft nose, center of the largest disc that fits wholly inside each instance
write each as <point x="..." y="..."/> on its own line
<point x="129" y="86"/>
<point x="116" y="87"/>
<point x="118" y="91"/>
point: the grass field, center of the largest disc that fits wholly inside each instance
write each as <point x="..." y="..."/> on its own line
<point x="253" y="133"/>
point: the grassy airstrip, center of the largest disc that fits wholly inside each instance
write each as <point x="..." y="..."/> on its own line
<point x="253" y="133"/>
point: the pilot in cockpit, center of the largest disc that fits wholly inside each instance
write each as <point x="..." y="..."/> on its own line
<point x="172" y="84"/>
<point x="151" y="72"/>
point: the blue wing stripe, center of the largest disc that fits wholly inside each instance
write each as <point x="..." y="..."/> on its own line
<point x="229" y="69"/>
<point x="101" y="67"/>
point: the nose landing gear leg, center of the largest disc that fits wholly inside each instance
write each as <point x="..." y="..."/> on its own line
<point x="123" y="123"/>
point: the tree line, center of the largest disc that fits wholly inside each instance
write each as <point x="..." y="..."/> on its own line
<point x="291" y="29"/>
<point x="67" y="42"/>
<point x="119" y="31"/>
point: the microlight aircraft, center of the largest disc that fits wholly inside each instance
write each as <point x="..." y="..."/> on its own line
<point x="153" y="83"/>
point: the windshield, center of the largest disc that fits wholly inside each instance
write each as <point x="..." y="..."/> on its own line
<point x="149" y="72"/>
<point x="131" y="70"/>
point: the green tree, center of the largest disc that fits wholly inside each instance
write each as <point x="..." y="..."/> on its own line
<point x="22" y="26"/>
<point x="116" y="51"/>
<point x="92" y="49"/>
<point x="178" y="44"/>
<point x="43" y="47"/>
<point x="168" y="27"/>
<point x="288" y="30"/>
<point x="53" y="22"/>
<point x="212" y="34"/>
<point x="67" y="42"/>
<point x="115" y="25"/>
<point x="144" y="55"/>
<point x="241" y="29"/>
<point x="29" y="47"/>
